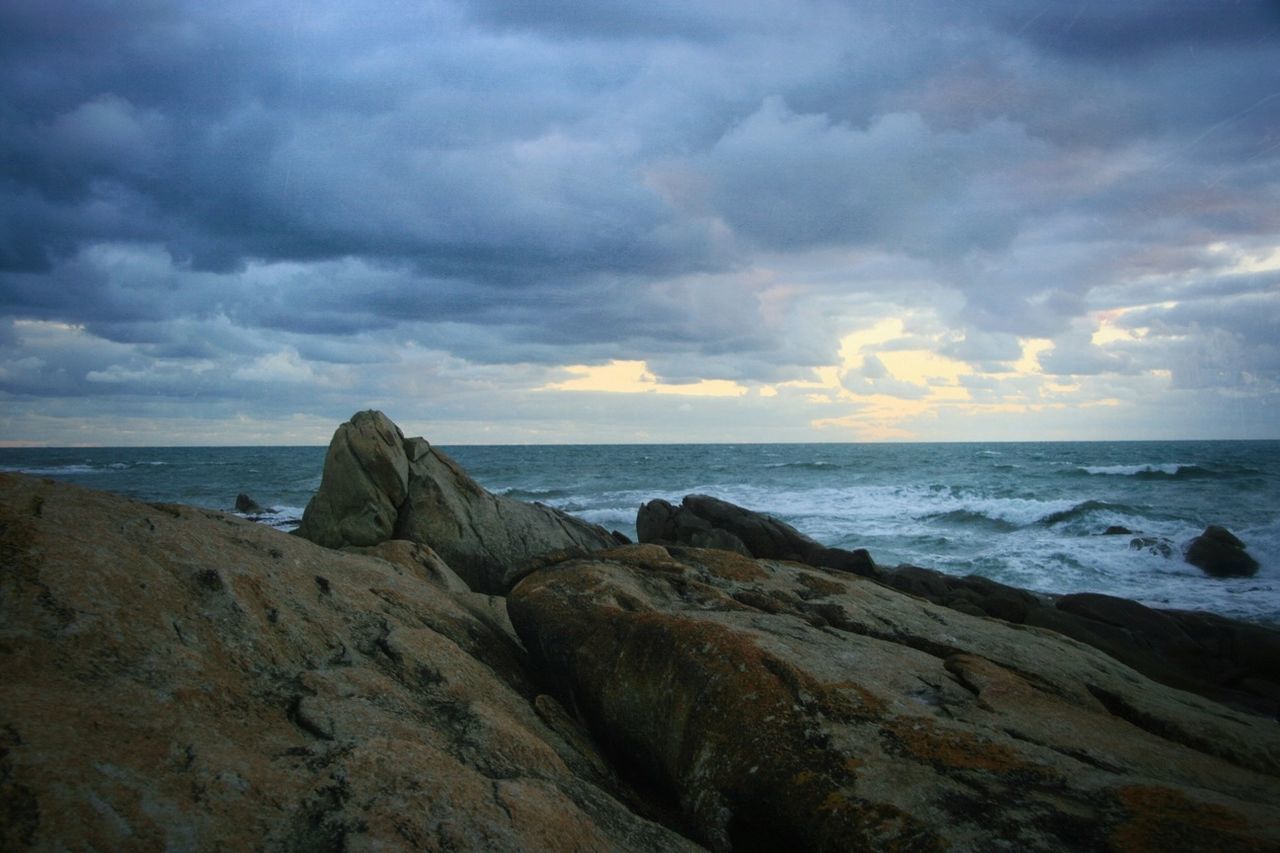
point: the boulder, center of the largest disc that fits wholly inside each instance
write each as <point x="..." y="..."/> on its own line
<point x="479" y="534"/>
<point x="365" y="479"/>
<point x="1221" y="554"/>
<point x="249" y="506"/>
<point x="760" y="535"/>
<point x="1117" y="530"/>
<point x="786" y="707"/>
<point x="176" y="678"/>
<point x="379" y="486"/>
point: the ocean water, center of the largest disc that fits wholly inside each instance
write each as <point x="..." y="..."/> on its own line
<point x="1027" y="514"/>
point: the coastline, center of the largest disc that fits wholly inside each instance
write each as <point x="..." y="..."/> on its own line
<point x="460" y="669"/>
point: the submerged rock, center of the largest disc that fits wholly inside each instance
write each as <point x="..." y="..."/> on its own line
<point x="186" y="679"/>
<point x="704" y="521"/>
<point x="786" y="707"/>
<point x="377" y="486"/>
<point x="1220" y="553"/>
<point x="1155" y="545"/>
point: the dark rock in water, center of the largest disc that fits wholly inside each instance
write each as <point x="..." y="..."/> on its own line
<point x="786" y="707"/>
<point x="619" y="537"/>
<point x="179" y="679"/>
<point x="377" y="486"/>
<point x="249" y="506"/>
<point x="1117" y="530"/>
<point x="1156" y="545"/>
<point x="703" y="519"/>
<point x="1220" y="553"/>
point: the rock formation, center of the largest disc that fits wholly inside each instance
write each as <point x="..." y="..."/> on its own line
<point x="704" y="521"/>
<point x="365" y="479"/>
<point x="176" y="677"/>
<point x="1220" y="553"/>
<point x="377" y="486"/>
<point x="786" y="707"/>
<point x="1237" y="663"/>
<point x="185" y="679"/>
<point x="480" y="534"/>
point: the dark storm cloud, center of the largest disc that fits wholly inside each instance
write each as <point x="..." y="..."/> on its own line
<point x="568" y="182"/>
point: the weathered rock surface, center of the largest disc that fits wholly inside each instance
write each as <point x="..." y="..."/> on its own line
<point x="704" y="521"/>
<point x="365" y="479"/>
<point x="786" y="707"/>
<point x="1229" y="661"/>
<point x="174" y="678"/>
<point x="377" y="485"/>
<point x="479" y="534"/>
<point x="1220" y="553"/>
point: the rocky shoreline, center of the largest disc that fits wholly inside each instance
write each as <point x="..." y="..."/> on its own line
<point x="430" y="666"/>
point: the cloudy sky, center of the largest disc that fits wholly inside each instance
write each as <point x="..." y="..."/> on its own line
<point x="679" y="220"/>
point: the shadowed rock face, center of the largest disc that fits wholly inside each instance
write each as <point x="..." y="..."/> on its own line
<point x="1237" y="663"/>
<point x="377" y="486"/>
<point x="178" y="678"/>
<point x="786" y="707"/>
<point x="707" y="522"/>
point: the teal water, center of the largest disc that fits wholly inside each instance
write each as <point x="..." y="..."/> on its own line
<point x="1028" y="514"/>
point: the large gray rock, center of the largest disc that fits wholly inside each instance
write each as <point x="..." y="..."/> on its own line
<point x="377" y="486"/>
<point x="761" y="535"/>
<point x="789" y="708"/>
<point x="479" y="534"/>
<point x="175" y="678"/>
<point x="365" y="479"/>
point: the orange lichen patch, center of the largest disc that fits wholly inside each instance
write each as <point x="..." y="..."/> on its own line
<point x="1162" y="819"/>
<point x="953" y="749"/>
<point x="820" y="586"/>
<point x="725" y="565"/>
<point x="652" y="558"/>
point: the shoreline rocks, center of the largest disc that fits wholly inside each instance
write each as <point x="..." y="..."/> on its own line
<point x="182" y="678"/>
<point x="176" y="677"/>
<point x="784" y="706"/>
<point x="377" y="486"/>
<point x="707" y="522"/>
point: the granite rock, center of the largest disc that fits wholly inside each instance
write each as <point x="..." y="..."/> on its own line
<point x="176" y="678"/>
<point x="379" y="486"/>
<point x="365" y="479"/>
<point x="705" y="521"/>
<point x="787" y="707"/>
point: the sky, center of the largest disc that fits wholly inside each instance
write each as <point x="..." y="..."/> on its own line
<point x="674" y="221"/>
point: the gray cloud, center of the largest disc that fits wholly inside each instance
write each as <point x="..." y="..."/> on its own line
<point x="719" y="190"/>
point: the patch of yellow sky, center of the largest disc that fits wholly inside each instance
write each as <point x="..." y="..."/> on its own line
<point x="880" y="415"/>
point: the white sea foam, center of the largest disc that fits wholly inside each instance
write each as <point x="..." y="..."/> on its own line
<point x="1132" y="470"/>
<point x="50" y="470"/>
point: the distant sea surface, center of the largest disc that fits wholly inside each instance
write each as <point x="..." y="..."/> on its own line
<point x="1027" y="514"/>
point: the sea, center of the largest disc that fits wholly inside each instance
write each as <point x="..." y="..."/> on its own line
<point x="1033" y="515"/>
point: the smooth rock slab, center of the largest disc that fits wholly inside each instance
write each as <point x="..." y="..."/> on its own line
<point x="785" y="707"/>
<point x="174" y="678"/>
